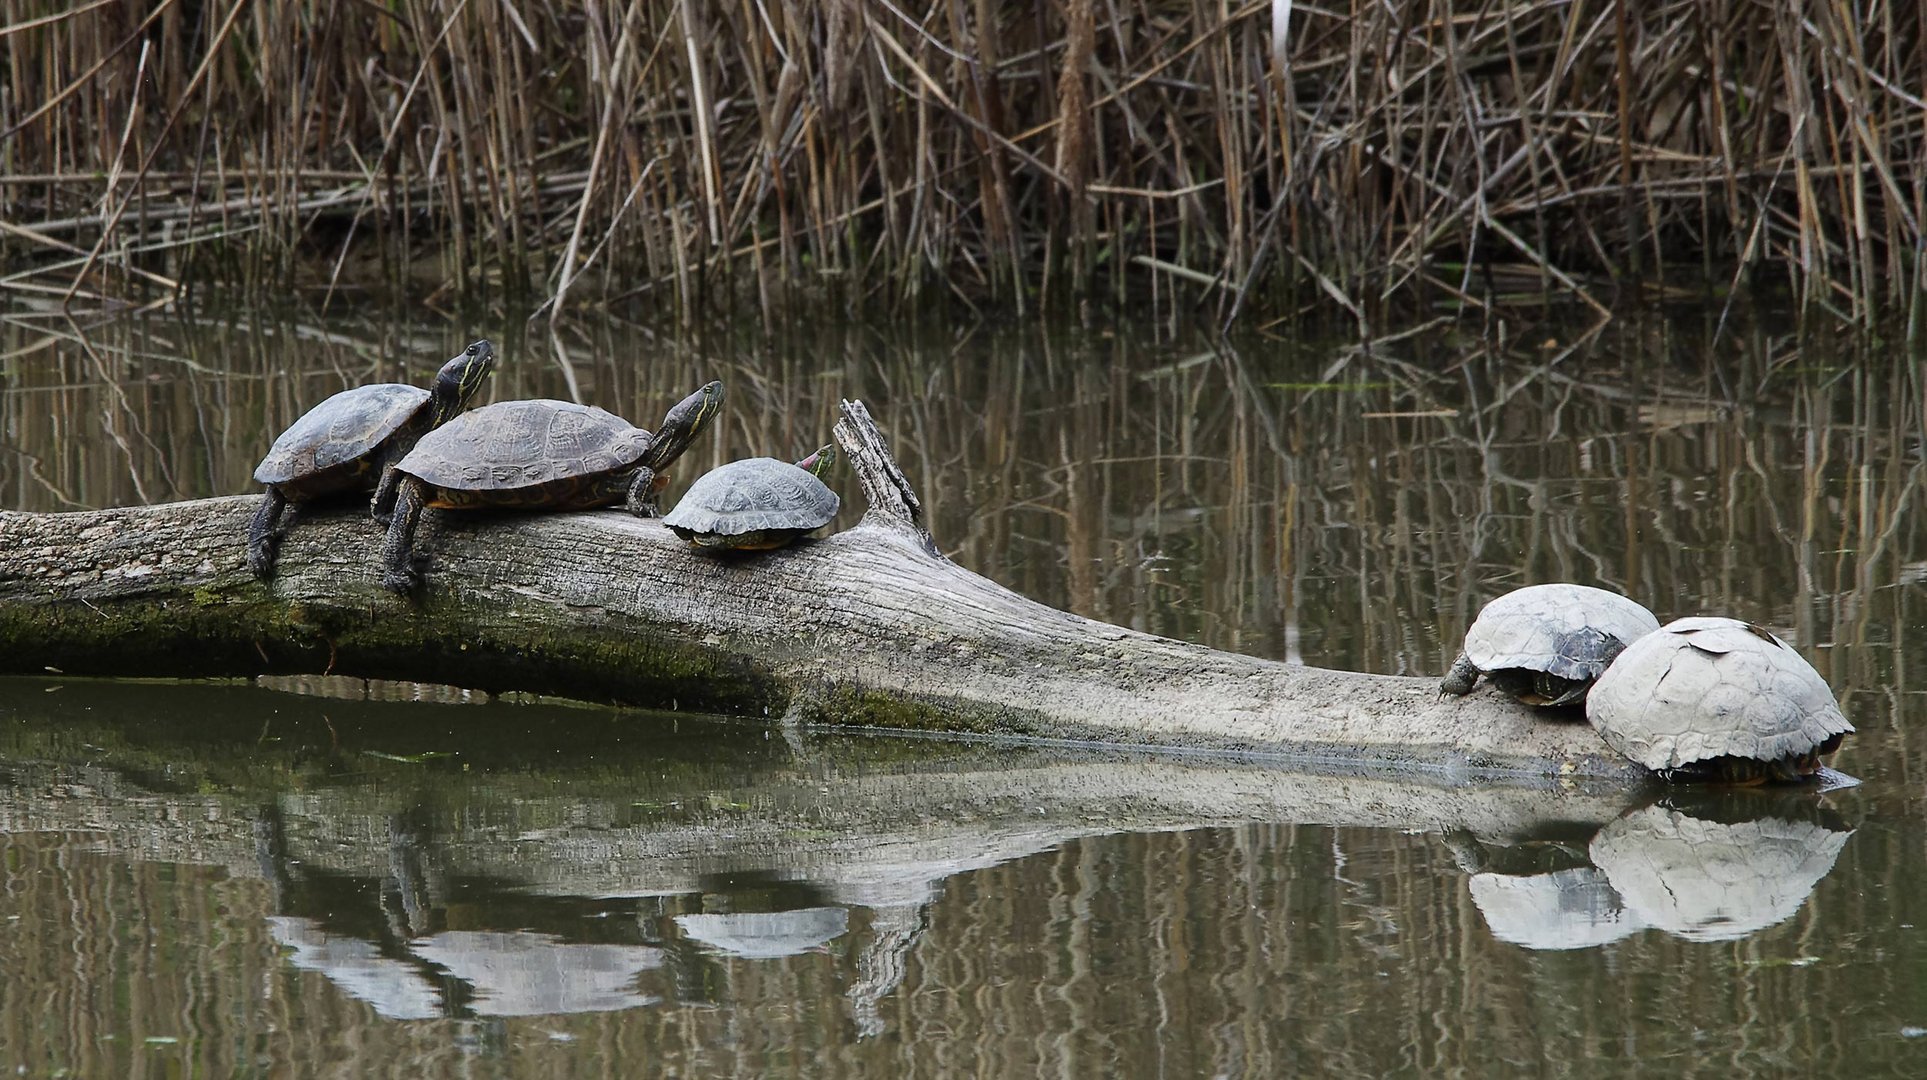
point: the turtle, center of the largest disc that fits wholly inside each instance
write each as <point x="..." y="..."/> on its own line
<point x="1545" y="644"/>
<point x="536" y="454"/>
<point x="756" y="503"/>
<point x="351" y="442"/>
<point x="1708" y="698"/>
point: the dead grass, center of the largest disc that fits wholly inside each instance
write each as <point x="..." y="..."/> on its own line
<point x="698" y="155"/>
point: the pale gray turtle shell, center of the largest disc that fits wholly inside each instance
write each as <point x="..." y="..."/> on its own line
<point x="1711" y="880"/>
<point x="1572" y="631"/>
<point x="1564" y="909"/>
<point x="344" y="428"/>
<point x="529" y="973"/>
<point x="754" y="495"/>
<point x="1710" y="687"/>
<point x="525" y="443"/>
<point x="767" y="935"/>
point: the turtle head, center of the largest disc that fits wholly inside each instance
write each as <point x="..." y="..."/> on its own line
<point x="460" y="378"/>
<point x="820" y="462"/>
<point x="683" y="423"/>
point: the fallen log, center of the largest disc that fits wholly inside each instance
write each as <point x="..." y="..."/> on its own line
<point x="871" y="627"/>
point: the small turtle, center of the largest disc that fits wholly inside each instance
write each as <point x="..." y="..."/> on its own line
<point x="756" y="504"/>
<point x="351" y="442"/>
<point x="1717" y="699"/>
<point x="537" y="455"/>
<point x="1545" y="644"/>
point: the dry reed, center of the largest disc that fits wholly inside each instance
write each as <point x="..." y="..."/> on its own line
<point x="696" y="155"/>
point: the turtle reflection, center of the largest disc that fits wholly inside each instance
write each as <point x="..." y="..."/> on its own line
<point x="1708" y="874"/>
<point x="766" y="935"/>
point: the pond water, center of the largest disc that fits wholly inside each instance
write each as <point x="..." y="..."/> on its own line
<point x="317" y="875"/>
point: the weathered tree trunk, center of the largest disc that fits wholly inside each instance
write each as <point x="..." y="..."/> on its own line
<point x="869" y="627"/>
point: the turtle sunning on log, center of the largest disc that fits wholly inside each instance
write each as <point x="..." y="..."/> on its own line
<point x="537" y="455"/>
<point x="1717" y="699"/>
<point x="1546" y="644"/>
<point x="351" y="442"/>
<point x="756" y="504"/>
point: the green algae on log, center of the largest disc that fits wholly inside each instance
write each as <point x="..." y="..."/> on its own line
<point x="871" y="627"/>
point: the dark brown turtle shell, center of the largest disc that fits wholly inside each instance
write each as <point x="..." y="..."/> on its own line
<point x="533" y="453"/>
<point x="333" y="446"/>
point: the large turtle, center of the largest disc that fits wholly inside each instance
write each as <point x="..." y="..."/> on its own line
<point x="756" y="503"/>
<point x="1718" y="699"/>
<point x="351" y="442"/>
<point x="1545" y="644"/>
<point x="537" y="455"/>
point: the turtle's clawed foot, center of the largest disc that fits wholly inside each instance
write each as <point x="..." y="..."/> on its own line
<point x="261" y="559"/>
<point x="400" y="582"/>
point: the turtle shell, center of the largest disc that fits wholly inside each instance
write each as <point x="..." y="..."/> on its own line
<point x="340" y="433"/>
<point x="1571" y="632"/>
<point x="1705" y="688"/>
<point x="538" y="448"/>
<point x="755" y="495"/>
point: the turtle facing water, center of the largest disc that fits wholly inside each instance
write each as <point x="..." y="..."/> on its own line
<point x="1717" y="699"/>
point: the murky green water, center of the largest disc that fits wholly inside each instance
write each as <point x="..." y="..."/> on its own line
<point x="211" y="880"/>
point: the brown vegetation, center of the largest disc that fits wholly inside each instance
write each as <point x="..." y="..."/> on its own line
<point x="694" y="154"/>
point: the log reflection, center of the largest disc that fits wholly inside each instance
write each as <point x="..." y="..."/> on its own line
<point x="710" y="898"/>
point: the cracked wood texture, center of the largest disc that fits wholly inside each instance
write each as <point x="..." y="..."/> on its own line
<point x="869" y="627"/>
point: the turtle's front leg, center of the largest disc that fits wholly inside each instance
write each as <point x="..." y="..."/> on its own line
<point x="401" y="571"/>
<point x="1460" y="680"/>
<point x="382" y="506"/>
<point x="640" y="499"/>
<point x="264" y="533"/>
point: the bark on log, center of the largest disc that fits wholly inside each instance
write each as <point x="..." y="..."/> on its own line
<point x="869" y="627"/>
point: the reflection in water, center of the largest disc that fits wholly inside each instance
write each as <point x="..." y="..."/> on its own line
<point x="1565" y="909"/>
<point x="765" y="935"/>
<point x="1714" y="880"/>
<point x="525" y="974"/>
<point x="879" y="906"/>
<point x="1664" y="868"/>
<point x="397" y="989"/>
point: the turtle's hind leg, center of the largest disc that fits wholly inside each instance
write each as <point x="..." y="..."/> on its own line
<point x="265" y="532"/>
<point x="401" y="569"/>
